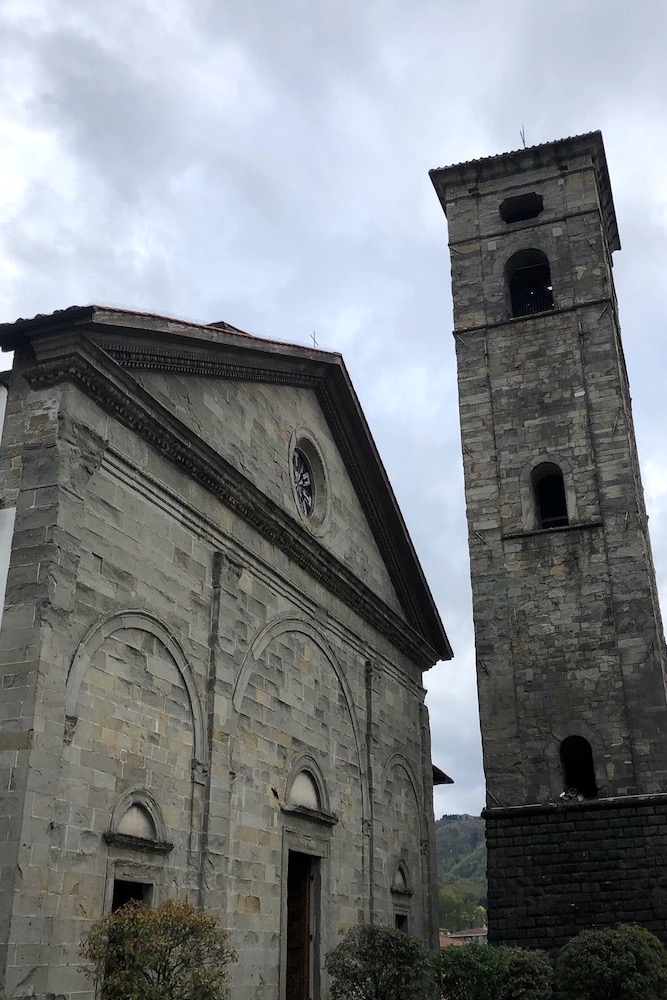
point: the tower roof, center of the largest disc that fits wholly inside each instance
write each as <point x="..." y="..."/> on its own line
<point x="559" y="154"/>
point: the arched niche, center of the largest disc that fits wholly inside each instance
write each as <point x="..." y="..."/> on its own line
<point x="578" y="767"/>
<point x="306" y="791"/>
<point x="549" y="496"/>
<point x="136" y="822"/>
<point x="140" y="620"/>
<point x="399" y="760"/>
<point x="400" y="884"/>
<point x="293" y="623"/>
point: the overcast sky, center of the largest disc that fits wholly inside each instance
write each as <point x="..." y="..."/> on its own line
<point x="266" y="162"/>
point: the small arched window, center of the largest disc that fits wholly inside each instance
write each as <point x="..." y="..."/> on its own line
<point x="529" y="283"/>
<point x="576" y="759"/>
<point x="549" y="494"/>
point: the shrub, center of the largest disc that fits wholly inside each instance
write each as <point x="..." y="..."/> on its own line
<point x="625" y="962"/>
<point x="529" y="975"/>
<point x="379" y="963"/>
<point x="167" y="952"/>
<point x="485" y="972"/>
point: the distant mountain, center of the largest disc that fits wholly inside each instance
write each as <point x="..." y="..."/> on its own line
<point x="455" y="838"/>
<point x="461" y="858"/>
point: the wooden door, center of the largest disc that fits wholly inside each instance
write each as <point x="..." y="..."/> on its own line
<point x="300" y="878"/>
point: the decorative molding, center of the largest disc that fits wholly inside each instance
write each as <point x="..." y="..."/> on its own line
<point x="118" y="394"/>
<point x="316" y="815"/>
<point x="145" y="800"/>
<point x="93" y="639"/>
<point x="138" y="843"/>
<point x="292" y="623"/>
<point x="306" y="762"/>
<point x="181" y="362"/>
<point x="399" y="760"/>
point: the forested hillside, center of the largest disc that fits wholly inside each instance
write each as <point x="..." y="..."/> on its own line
<point x="461" y="856"/>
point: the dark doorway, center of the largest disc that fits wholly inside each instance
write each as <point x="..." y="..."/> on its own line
<point x="301" y="879"/>
<point x="401" y="922"/>
<point x="576" y="758"/>
<point x="124" y="891"/>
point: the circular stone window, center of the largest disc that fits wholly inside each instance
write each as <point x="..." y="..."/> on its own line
<point x="309" y="483"/>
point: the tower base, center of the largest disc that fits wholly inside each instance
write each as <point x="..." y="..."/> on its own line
<point x="556" y="869"/>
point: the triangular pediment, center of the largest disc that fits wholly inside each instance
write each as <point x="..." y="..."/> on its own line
<point x="148" y="359"/>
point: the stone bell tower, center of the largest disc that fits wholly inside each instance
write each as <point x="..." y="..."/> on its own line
<point x="569" y="640"/>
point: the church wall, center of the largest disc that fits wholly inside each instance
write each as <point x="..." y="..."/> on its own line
<point x="27" y="481"/>
<point x="175" y="651"/>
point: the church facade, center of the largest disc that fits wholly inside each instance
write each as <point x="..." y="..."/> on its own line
<point x="569" y="638"/>
<point x="212" y="650"/>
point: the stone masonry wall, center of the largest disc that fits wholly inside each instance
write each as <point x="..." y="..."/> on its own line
<point x="558" y="869"/>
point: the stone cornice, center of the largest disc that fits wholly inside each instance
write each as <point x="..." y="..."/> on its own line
<point x="557" y="154"/>
<point x="655" y="800"/>
<point x="72" y="357"/>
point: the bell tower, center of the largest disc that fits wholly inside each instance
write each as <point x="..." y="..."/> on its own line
<point x="569" y="641"/>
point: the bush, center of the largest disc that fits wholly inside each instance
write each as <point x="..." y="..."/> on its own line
<point x="529" y="975"/>
<point x="620" y="963"/>
<point x="167" y="952"/>
<point x="485" y="972"/>
<point x="379" y="963"/>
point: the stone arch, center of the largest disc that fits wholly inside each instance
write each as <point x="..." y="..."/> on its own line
<point x="133" y="619"/>
<point x="528" y="281"/>
<point x="578" y="767"/>
<point x="401" y="843"/>
<point x="145" y="800"/>
<point x="402" y="881"/>
<point x="575" y="727"/>
<point x="529" y="519"/>
<point x="306" y="763"/>
<point x="294" y="623"/>
<point x="397" y="759"/>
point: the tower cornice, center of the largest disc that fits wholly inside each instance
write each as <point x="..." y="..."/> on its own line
<point x="558" y="154"/>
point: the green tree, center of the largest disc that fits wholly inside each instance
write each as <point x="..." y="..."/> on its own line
<point x="459" y="905"/>
<point x="167" y="952"/>
<point x="379" y="963"/>
<point x="620" y="963"/>
<point x="485" y="972"/>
